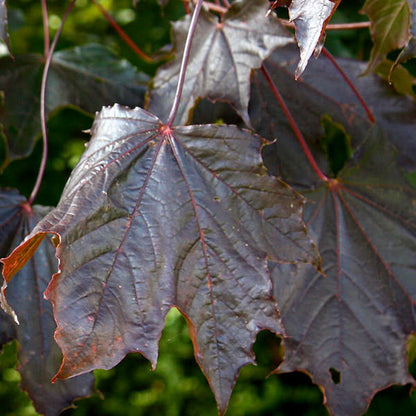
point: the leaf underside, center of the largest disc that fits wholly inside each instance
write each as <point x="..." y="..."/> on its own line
<point x="39" y="356"/>
<point x="151" y="218"/>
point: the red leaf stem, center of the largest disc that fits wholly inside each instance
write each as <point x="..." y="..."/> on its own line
<point x="184" y="64"/>
<point x="350" y="84"/>
<point x="45" y="28"/>
<point x="43" y="106"/>
<point x="123" y="34"/>
<point x="294" y="126"/>
<point x="333" y="26"/>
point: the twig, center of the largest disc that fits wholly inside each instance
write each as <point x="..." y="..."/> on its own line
<point x="123" y="34"/>
<point x="184" y="64"/>
<point x="43" y="106"/>
<point x="294" y="126"/>
<point x="333" y="26"/>
<point x="215" y="7"/>
<point x="45" y="28"/>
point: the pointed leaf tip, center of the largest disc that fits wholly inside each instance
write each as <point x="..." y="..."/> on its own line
<point x="310" y="19"/>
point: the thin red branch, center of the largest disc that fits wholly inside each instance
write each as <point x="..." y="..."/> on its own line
<point x="333" y="26"/>
<point x="123" y="34"/>
<point x="294" y="126"/>
<point x="350" y="84"/>
<point x="217" y="8"/>
<point x="43" y="106"/>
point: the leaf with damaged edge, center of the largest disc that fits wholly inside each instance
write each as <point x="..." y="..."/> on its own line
<point x="364" y="223"/>
<point x="39" y="356"/>
<point x="222" y="57"/>
<point x="310" y="99"/>
<point x="151" y="218"/>
<point x="349" y="329"/>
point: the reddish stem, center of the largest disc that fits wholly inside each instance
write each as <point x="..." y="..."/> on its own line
<point x="333" y="26"/>
<point x="350" y="84"/>
<point x="122" y="33"/>
<point x="184" y="64"/>
<point x="294" y="126"/>
<point x="43" y="106"/>
<point x="186" y="5"/>
<point x="217" y="8"/>
<point x="45" y="28"/>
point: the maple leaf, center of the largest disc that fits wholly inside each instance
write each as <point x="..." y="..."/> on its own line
<point x="349" y="328"/>
<point x="151" y="218"/>
<point x="310" y="19"/>
<point x="222" y="57"/>
<point x="4" y="35"/>
<point x="390" y="20"/>
<point x="39" y="356"/>
<point x="88" y="77"/>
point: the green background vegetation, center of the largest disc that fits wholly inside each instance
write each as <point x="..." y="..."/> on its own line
<point x="177" y="387"/>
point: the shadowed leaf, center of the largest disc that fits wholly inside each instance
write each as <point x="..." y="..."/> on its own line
<point x="88" y="77"/>
<point x="309" y="100"/>
<point x="349" y="329"/>
<point x="151" y="218"/>
<point x="222" y="57"/>
<point x="39" y="356"/>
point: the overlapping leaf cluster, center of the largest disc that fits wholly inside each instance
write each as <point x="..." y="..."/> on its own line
<point x="158" y="215"/>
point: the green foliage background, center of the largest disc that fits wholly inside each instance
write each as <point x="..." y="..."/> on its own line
<point x="177" y="387"/>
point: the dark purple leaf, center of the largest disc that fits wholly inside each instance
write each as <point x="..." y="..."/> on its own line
<point x="308" y="105"/>
<point x="222" y="58"/>
<point x="309" y="99"/>
<point x="349" y="328"/>
<point x="152" y="218"/>
<point x="88" y="77"/>
<point x="39" y="356"/>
